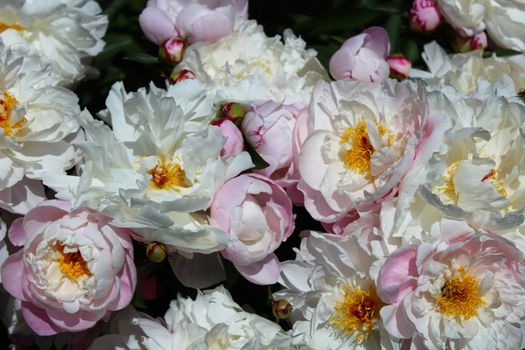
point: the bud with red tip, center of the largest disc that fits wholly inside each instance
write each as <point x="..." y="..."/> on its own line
<point x="156" y="251"/>
<point x="281" y="309"/>
<point x="172" y="50"/>
<point x="425" y="16"/>
<point x="400" y="66"/>
<point x="180" y="75"/>
<point x="232" y="111"/>
<point x="466" y="44"/>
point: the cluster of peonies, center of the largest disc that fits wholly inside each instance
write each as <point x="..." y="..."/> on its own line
<point x="417" y="183"/>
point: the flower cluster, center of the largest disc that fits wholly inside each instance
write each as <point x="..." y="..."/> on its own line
<point x="410" y="184"/>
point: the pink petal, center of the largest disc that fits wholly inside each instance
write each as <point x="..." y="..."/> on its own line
<point x="396" y="277"/>
<point x="13" y="273"/>
<point x="38" y="320"/>
<point x="262" y="272"/>
<point x="377" y="41"/>
<point x="156" y="25"/>
<point x="16" y="233"/>
<point x="203" y="24"/>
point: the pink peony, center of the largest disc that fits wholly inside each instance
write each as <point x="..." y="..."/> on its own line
<point x="73" y="269"/>
<point x="269" y="128"/>
<point x="464" y="291"/>
<point x="257" y="215"/>
<point x="362" y="57"/>
<point x="234" y="141"/>
<point x="197" y="20"/>
<point x="465" y="44"/>
<point x="425" y="16"/>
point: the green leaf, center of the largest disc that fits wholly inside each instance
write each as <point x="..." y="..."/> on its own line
<point x="141" y="57"/>
<point x="258" y="161"/>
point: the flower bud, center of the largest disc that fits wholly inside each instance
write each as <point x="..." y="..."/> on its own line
<point x="399" y="65"/>
<point x="156" y="251"/>
<point x="172" y="50"/>
<point x="425" y="16"/>
<point x="232" y="111"/>
<point x="180" y="75"/>
<point x="281" y="309"/>
<point x="466" y="44"/>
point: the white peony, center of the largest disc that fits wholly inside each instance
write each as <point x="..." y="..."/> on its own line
<point x="63" y="33"/>
<point x="331" y="287"/>
<point x="255" y="67"/>
<point x="38" y="121"/>
<point x="211" y="321"/>
<point x="159" y="168"/>
<point x="502" y="19"/>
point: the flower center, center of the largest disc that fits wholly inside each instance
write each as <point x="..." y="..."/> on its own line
<point x="460" y="296"/>
<point x="167" y="174"/>
<point x="72" y="264"/>
<point x="357" y="312"/>
<point x="448" y="189"/>
<point x="7" y="102"/>
<point x="491" y="177"/>
<point x="6" y="26"/>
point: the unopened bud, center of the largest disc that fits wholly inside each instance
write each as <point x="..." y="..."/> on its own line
<point x="425" y="16"/>
<point x="400" y="66"/>
<point x="232" y="111"/>
<point x="466" y="44"/>
<point x="180" y="75"/>
<point x="156" y="251"/>
<point x="172" y="50"/>
<point x="281" y="309"/>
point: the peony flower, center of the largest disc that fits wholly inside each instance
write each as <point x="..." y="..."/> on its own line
<point x="64" y="34"/>
<point x="367" y="141"/>
<point x="234" y="141"/>
<point x="425" y="15"/>
<point x="38" y="121"/>
<point x="462" y="291"/>
<point x="331" y="287"/>
<point x="202" y="20"/>
<point x="476" y="42"/>
<point x="159" y="167"/>
<point x="270" y="70"/>
<point x="501" y="19"/>
<point x="211" y="321"/>
<point x="257" y="216"/>
<point x="362" y="57"/>
<point x="269" y="129"/>
<point x="73" y="269"/>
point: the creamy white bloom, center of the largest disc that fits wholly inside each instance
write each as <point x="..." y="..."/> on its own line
<point x="211" y="321"/>
<point x="38" y="121"/>
<point x="331" y="287"/>
<point x="502" y="19"/>
<point x="470" y="72"/>
<point x="269" y="70"/>
<point x="63" y="33"/>
<point x="367" y="141"/>
<point x="159" y="167"/>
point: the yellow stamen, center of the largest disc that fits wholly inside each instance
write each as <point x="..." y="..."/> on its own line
<point x="167" y="174"/>
<point x="72" y="264"/>
<point x="448" y="189"/>
<point x="7" y="102"/>
<point x="460" y="296"/>
<point x="6" y="26"/>
<point x="357" y="312"/>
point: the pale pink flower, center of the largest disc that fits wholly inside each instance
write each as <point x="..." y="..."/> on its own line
<point x="257" y="216"/>
<point x="269" y="128"/>
<point x="73" y="269"/>
<point x="234" y="141"/>
<point x="463" y="291"/>
<point x="425" y="16"/>
<point x="362" y="57"/>
<point x="197" y="20"/>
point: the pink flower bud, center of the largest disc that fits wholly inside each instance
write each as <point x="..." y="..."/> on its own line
<point x="399" y="65"/>
<point x="172" y="50"/>
<point x="466" y="44"/>
<point x="232" y="111"/>
<point x="234" y="141"/>
<point x="425" y="16"/>
<point x="180" y="75"/>
<point x="281" y="309"/>
<point x="156" y="252"/>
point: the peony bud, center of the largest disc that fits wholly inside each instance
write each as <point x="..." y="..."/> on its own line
<point x="425" y="16"/>
<point x="466" y="44"/>
<point x="232" y="111"/>
<point x="156" y="251"/>
<point x="281" y="309"/>
<point x="399" y="65"/>
<point x="172" y="50"/>
<point x="180" y="75"/>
